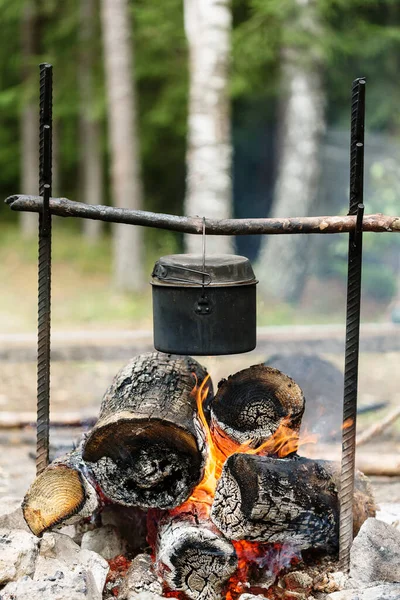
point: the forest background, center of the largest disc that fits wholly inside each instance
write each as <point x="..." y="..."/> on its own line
<point x="198" y="107"/>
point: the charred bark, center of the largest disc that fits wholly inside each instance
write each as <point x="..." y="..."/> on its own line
<point x="293" y="500"/>
<point x="147" y="448"/>
<point x="64" y="493"/>
<point x="193" y="557"/>
<point x="251" y="404"/>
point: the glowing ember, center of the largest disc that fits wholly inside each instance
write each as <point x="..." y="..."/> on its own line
<point x="257" y="561"/>
<point x="118" y="568"/>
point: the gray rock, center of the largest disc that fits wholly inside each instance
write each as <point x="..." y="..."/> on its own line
<point x="375" y="554"/>
<point x="389" y="512"/>
<point x="387" y="591"/>
<point x="18" y="553"/>
<point x="106" y="541"/>
<point x="11" y="516"/>
<point x="141" y="579"/>
<point x="72" y="570"/>
<point x="60" y="586"/>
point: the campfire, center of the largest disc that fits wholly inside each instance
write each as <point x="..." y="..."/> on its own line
<point x="230" y="504"/>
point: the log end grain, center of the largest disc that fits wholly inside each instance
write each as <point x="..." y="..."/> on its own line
<point x="252" y="403"/>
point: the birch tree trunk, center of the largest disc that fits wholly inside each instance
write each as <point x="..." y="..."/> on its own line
<point x="282" y="264"/>
<point x="125" y="170"/>
<point x="91" y="157"/>
<point x="208" y="26"/>
<point x="29" y="117"/>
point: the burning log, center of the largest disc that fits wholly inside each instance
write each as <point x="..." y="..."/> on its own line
<point x="64" y="493"/>
<point x="147" y="448"/>
<point x="292" y="500"/>
<point x="193" y="557"/>
<point x="253" y="403"/>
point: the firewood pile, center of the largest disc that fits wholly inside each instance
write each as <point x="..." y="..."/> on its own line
<point x="230" y="504"/>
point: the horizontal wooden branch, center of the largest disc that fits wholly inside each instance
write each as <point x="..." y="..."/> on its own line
<point x="63" y="207"/>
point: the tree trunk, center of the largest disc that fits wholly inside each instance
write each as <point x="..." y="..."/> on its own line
<point x="282" y="261"/>
<point x="91" y="155"/>
<point x="147" y="448"/>
<point x="124" y="141"/>
<point x="292" y="500"/>
<point x="209" y="154"/>
<point x="29" y="116"/>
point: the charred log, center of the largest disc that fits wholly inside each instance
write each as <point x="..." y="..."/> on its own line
<point x="292" y="500"/>
<point x="193" y="557"/>
<point x="147" y="448"/>
<point x="64" y="493"/>
<point x="251" y="404"/>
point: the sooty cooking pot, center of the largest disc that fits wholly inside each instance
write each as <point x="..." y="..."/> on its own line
<point x="204" y="306"/>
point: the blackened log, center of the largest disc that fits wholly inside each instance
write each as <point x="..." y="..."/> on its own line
<point x="193" y="557"/>
<point x="292" y="500"/>
<point x="147" y="448"/>
<point x="65" y="492"/>
<point x="253" y="403"/>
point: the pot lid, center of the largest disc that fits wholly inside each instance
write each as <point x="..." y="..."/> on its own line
<point x="187" y="269"/>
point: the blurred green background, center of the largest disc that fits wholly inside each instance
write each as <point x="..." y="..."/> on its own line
<point x="351" y="38"/>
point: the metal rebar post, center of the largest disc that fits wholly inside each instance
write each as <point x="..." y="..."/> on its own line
<point x="352" y="324"/>
<point x="44" y="269"/>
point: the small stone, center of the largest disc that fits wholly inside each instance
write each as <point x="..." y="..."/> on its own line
<point x="388" y="591"/>
<point x="106" y="541"/>
<point x="18" y="553"/>
<point x="11" y="515"/>
<point x="330" y="582"/>
<point x="140" y="579"/>
<point x="375" y="554"/>
<point x="250" y="597"/>
<point x="297" y="581"/>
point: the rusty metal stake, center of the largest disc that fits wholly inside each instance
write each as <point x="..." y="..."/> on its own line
<point x="44" y="269"/>
<point x="352" y="324"/>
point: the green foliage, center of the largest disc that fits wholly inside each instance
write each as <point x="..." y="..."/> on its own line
<point x="348" y="37"/>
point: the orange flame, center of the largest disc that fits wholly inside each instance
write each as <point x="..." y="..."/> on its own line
<point x="283" y="442"/>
